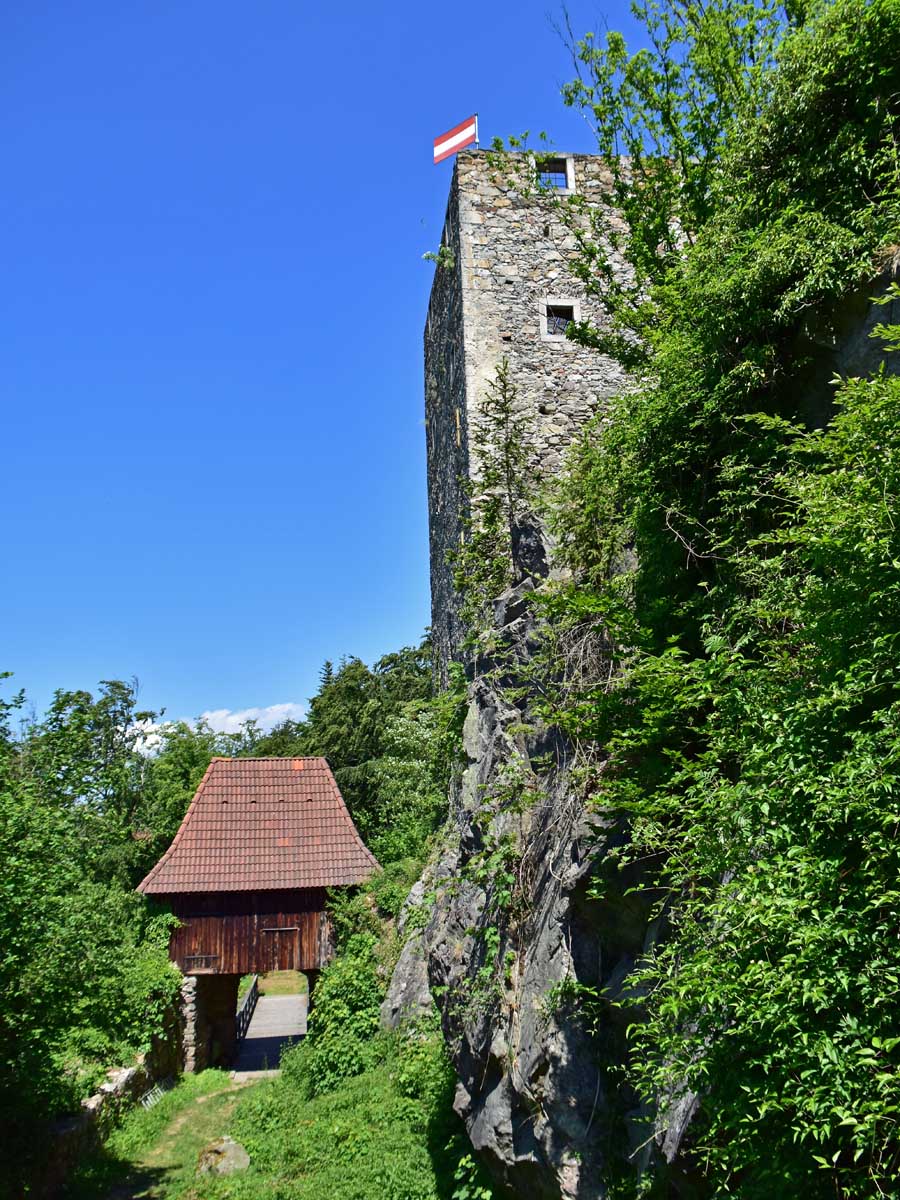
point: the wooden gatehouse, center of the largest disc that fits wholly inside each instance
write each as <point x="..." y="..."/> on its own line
<point x="246" y="876"/>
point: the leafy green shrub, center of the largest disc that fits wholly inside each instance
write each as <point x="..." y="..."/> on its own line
<point x="392" y="885"/>
<point x="389" y="1132"/>
<point x="86" y="979"/>
<point x="739" y="569"/>
<point x="778" y="989"/>
<point x="343" y="1023"/>
<point x="469" y="1181"/>
<point x="353" y="912"/>
<point x="422" y="1070"/>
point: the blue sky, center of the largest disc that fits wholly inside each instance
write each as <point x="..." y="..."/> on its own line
<point x="211" y="322"/>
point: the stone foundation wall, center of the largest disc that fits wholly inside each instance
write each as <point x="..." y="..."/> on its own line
<point x="209" y="1031"/>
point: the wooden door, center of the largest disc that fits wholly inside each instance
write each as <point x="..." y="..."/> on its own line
<point x="278" y="947"/>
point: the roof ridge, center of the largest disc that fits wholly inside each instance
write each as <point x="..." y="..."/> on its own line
<point x="268" y="758"/>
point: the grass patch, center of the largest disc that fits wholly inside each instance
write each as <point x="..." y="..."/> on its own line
<point x="154" y="1151"/>
<point x="389" y="1133"/>
<point x="283" y="983"/>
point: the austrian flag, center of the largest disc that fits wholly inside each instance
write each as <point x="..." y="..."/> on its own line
<point x="454" y="139"/>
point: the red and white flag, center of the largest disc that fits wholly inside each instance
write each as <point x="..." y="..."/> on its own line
<point x="454" y="139"/>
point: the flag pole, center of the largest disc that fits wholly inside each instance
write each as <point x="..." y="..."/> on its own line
<point x="477" y="145"/>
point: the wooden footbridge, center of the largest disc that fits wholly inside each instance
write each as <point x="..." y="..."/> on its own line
<point x="246" y="875"/>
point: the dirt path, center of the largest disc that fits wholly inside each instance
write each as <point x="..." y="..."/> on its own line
<point x="167" y="1166"/>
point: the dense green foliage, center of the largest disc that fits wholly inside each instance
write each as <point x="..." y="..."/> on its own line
<point x="733" y="533"/>
<point x="662" y="118"/>
<point x="377" y="728"/>
<point x="84" y="971"/>
<point x="92" y="794"/>
<point x="344" y="1021"/>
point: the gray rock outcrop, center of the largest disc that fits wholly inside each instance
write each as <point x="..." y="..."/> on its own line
<point x="409" y="996"/>
<point x="529" y="941"/>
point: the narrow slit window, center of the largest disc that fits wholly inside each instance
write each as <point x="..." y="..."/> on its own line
<point x="559" y="316"/>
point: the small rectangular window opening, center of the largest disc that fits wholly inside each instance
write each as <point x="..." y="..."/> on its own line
<point x="559" y="316"/>
<point x="552" y="174"/>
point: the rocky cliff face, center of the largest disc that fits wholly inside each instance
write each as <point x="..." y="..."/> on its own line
<point x="523" y="932"/>
<point x="516" y="952"/>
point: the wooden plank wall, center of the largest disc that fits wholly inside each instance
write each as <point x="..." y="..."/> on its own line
<point x="259" y="932"/>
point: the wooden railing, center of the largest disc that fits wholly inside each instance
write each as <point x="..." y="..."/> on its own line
<point x="245" y="1012"/>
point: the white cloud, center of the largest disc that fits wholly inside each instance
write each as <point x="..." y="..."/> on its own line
<point x="222" y="720"/>
<point x="226" y="720"/>
<point x="149" y="739"/>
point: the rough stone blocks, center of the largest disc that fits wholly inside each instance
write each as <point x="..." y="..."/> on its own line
<point x="511" y="284"/>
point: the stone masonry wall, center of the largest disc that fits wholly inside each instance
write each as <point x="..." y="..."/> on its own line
<point x="513" y="253"/>
<point x="208" y="1007"/>
<point x="447" y="436"/>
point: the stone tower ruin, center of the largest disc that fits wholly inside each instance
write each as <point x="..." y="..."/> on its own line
<point x="505" y="288"/>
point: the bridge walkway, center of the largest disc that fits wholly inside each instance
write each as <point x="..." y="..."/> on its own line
<point x="277" y="1022"/>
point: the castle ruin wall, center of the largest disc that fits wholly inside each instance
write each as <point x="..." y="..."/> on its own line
<point x="513" y="252"/>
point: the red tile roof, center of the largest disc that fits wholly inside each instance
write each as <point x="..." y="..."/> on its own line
<point x="261" y="823"/>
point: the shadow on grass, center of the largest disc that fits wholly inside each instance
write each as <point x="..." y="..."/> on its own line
<point x="154" y="1152"/>
<point x="108" y="1177"/>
